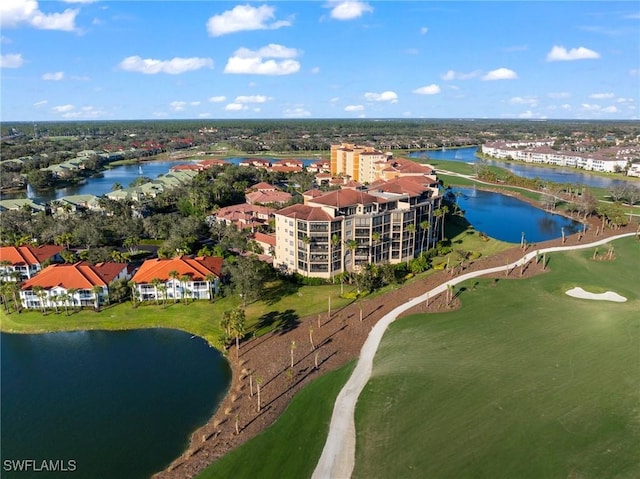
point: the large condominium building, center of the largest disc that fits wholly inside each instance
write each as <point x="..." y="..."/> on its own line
<point x="388" y="222"/>
<point x="361" y="163"/>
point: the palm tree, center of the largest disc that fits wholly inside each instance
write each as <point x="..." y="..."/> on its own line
<point x="4" y="293"/>
<point x="174" y="275"/>
<point x="54" y="299"/>
<point x="64" y="297"/>
<point x="71" y="292"/>
<point x="96" y="290"/>
<point x="445" y="210"/>
<point x="412" y="230"/>
<point x="156" y="282"/>
<point x="237" y="327"/>
<point x="210" y="279"/>
<point x="425" y="226"/>
<point x="335" y="242"/>
<point x="184" y="279"/>
<point x="3" y="267"/>
<point x="134" y="292"/>
<point x="163" y="289"/>
<point x="375" y="239"/>
<point x="41" y="294"/>
<point x="352" y="245"/>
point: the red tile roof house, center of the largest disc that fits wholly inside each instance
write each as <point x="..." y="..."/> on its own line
<point x="78" y="284"/>
<point x="183" y="277"/>
<point x="26" y="260"/>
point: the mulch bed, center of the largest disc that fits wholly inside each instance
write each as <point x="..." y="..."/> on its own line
<point x="337" y="340"/>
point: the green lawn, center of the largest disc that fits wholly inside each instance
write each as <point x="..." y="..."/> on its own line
<point x="285" y="305"/>
<point x="521" y="382"/>
<point x="292" y="446"/>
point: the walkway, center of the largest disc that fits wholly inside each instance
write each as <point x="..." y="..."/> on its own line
<point x="338" y="456"/>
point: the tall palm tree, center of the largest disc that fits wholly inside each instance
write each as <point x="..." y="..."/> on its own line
<point x="211" y="280"/>
<point x="445" y="211"/>
<point x="174" y="275"/>
<point x="71" y="292"/>
<point x="335" y="242"/>
<point x="437" y="214"/>
<point x="163" y="289"/>
<point x="156" y="282"/>
<point x="375" y="239"/>
<point x="64" y="297"/>
<point x="412" y="231"/>
<point x="96" y="290"/>
<point x="425" y="226"/>
<point x="184" y="279"/>
<point x="352" y="246"/>
<point x="41" y="294"/>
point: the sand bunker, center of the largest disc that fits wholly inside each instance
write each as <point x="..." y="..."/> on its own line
<point x="608" y="296"/>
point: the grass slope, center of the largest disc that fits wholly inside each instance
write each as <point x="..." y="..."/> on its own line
<point x="522" y="381"/>
<point x="292" y="446"/>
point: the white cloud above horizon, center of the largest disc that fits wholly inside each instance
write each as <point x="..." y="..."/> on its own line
<point x="500" y="74"/>
<point x="561" y="54"/>
<point x="453" y="75"/>
<point x="354" y="108"/>
<point x="14" y="13"/>
<point x="388" y="95"/>
<point x="261" y="61"/>
<point x="432" y="89"/>
<point x="348" y="9"/>
<point x="54" y="76"/>
<point x="11" y="60"/>
<point x="244" y="18"/>
<point x="601" y="96"/>
<point x="175" y="66"/>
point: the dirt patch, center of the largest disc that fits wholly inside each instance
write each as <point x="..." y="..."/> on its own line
<point x="337" y="340"/>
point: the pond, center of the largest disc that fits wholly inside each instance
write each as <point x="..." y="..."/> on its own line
<point x="118" y="404"/>
<point x="556" y="175"/>
<point x="505" y="218"/>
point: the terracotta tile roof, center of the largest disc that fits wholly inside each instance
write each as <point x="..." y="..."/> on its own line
<point x="286" y="169"/>
<point x="28" y="255"/>
<point x="411" y="185"/>
<point x="197" y="268"/>
<point x="265" y="238"/>
<point x="313" y="193"/>
<point x="346" y="197"/>
<point x="267" y="197"/>
<point x="244" y="208"/>
<point x="263" y="186"/>
<point x="307" y="213"/>
<point x="81" y="275"/>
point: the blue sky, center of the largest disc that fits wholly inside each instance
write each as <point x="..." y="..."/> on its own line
<point x="112" y="60"/>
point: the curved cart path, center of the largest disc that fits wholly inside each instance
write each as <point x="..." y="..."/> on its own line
<point x="338" y="456"/>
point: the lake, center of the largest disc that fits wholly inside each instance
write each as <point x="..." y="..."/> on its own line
<point x="505" y="218"/>
<point x="120" y="404"/>
<point x="557" y="175"/>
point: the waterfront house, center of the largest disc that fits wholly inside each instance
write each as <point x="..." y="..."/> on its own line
<point x="23" y="262"/>
<point x="178" y="278"/>
<point x="76" y="285"/>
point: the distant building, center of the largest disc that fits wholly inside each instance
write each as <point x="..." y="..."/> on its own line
<point x="181" y="277"/>
<point x="26" y="261"/>
<point x="80" y="284"/>
<point x="342" y="230"/>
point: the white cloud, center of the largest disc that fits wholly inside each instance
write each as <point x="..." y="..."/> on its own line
<point x="297" y="112"/>
<point x="453" y="75"/>
<point x="177" y="105"/>
<point x="255" y="62"/>
<point x="348" y="9"/>
<point x="424" y="30"/>
<point x="251" y="99"/>
<point x="610" y="109"/>
<point x="55" y="76"/>
<point x="559" y="54"/>
<point x="80" y="78"/>
<point x="5" y="40"/>
<point x="194" y="103"/>
<point x="565" y="106"/>
<point x="590" y="107"/>
<point x="38" y="104"/>
<point x="500" y="74"/>
<point x="243" y="18"/>
<point x="601" y="96"/>
<point x="63" y="108"/>
<point x="204" y="115"/>
<point x="11" y="60"/>
<point x="529" y="114"/>
<point x="14" y="13"/>
<point x="217" y="99"/>
<point x="175" y="66"/>
<point x="84" y="112"/>
<point x="625" y="100"/>
<point x="236" y="107"/>
<point x="354" y="108"/>
<point x="384" y="96"/>
<point x="432" y="89"/>
<point x="524" y="100"/>
<point x="335" y="99"/>
<point x="315" y="70"/>
<point x="634" y="72"/>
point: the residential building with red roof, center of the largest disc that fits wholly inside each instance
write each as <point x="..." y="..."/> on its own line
<point x="178" y="278"/>
<point x="26" y="261"/>
<point x="275" y="198"/>
<point x="342" y="230"/>
<point x="243" y="216"/>
<point x="266" y="241"/>
<point x="78" y="284"/>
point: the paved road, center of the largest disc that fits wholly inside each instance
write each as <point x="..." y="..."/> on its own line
<point x="338" y="456"/>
